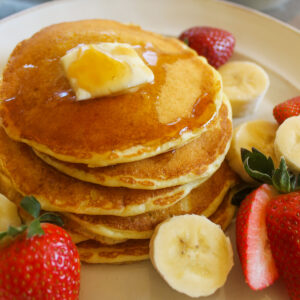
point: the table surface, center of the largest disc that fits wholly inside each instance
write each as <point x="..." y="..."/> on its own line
<point x="288" y="12"/>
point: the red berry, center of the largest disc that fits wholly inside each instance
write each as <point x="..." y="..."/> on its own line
<point x="215" y="44"/>
<point x="252" y="241"/>
<point x="287" y="109"/>
<point x="283" y="227"/>
<point x="41" y="267"/>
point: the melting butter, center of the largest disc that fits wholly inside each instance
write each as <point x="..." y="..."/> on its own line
<point x="103" y="69"/>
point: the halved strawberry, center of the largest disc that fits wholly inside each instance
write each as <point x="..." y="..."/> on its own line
<point x="252" y="240"/>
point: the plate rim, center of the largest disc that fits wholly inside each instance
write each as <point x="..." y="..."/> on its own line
<point x="270" y="19"/>
<point x="221" y="2"/>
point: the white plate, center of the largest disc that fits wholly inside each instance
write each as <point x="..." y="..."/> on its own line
<point x="271" y="43"/>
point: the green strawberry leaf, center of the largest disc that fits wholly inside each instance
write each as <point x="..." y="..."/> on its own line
<point x="240" y="192"/>
<point x="259" y="166"/>
<point x="186" y="41"/>
<point x="254" y="173"/>
<point x="51" y="218"/>
<point x="31" y="205"/>
<point x="295" y="182"/>
<point x="34" y="228"/>
<point x="2" y="235"/>
<point x="245" y="153"/>
<point x="262" y="169"/>
<point x="13" y="231"/>
<point x="267" y="164"/>
<point x="281" y="178"/>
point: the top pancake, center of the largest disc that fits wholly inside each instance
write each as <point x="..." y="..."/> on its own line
<point x="39" y="107"/>
<point x="196" y="160"/>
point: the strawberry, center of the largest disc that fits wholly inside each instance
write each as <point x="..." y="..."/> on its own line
<point x="261" y="168"/>
<point x="252" y="242"/>
<point x="283" y="227"/>
<point x="38" y="261"/>
<point x="287" y="109"/>
<point x="279" y="217"/>
<point x="215" y="44"/>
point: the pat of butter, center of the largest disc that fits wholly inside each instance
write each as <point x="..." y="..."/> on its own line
<point x="104" y="69"/>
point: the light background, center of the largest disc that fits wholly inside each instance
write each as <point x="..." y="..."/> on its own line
<point x="288" y="12"/>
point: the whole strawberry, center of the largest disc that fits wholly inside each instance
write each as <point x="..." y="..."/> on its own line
<point x="252" y="240"/>
<point x="215" y="44"/>
<point x="38" y="261"/>
<point x="287" y="109"/>
<point x="283" y="227"/>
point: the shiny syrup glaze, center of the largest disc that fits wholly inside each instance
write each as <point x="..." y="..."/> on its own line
<point x="40" y="105"/>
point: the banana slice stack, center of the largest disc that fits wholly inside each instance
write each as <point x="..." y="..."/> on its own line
<point x="245" y="84"/>
<point x="192" y="254"/>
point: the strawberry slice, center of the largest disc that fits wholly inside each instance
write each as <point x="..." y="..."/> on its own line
<point x="283" y="227"/>
<point x="252" y="241"/>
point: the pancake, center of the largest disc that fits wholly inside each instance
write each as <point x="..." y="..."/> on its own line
<point x="194" y="161"/>
<point x="77" y="233"/>
<point x="136" y="250"/>
<point x="203" y="200"/>
<point x="92" y="251"/>
<point x="7" y="189"/>
<point x="57" y="192"/>
<point x="132" y="250"/>
<point x="77" y="238"/>
<point x="225" y="212"/>
<point x="38" y="106"/>
<point x="76" y="230"/>
<point x="26" y="218"/>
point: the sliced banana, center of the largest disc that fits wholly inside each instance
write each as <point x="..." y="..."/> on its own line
<point x="8" y="214"/>
<point x="287" y="142"/>
<point x="192" y="254"/>
<point x="259" y="134"/>
<point x="245" y="84"/>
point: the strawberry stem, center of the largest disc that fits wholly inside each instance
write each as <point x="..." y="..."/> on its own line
<point x="34" y="228"/>
<point x="281" y="178"/>
<point x="33" y="208"/>
<point x="240" y="192"/>
<point x="261" y="169"/>
<point x="31" y="205"/>
<point x="51" y="218"/>
<point x="258" y="165"/>
<point x="186" y="41"/>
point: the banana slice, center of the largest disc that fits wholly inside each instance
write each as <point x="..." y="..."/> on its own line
<point x="245" y="84"/>
<point x="192" y="254"/>
<point x="287" y="142"/>
<point x="258" y="134"/>
<point x="8" y="214"/>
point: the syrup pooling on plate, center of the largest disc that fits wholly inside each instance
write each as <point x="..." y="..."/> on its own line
<point x="102" y="124"/>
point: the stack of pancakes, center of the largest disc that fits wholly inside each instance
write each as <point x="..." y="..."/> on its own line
<point x="115" y="167"/>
